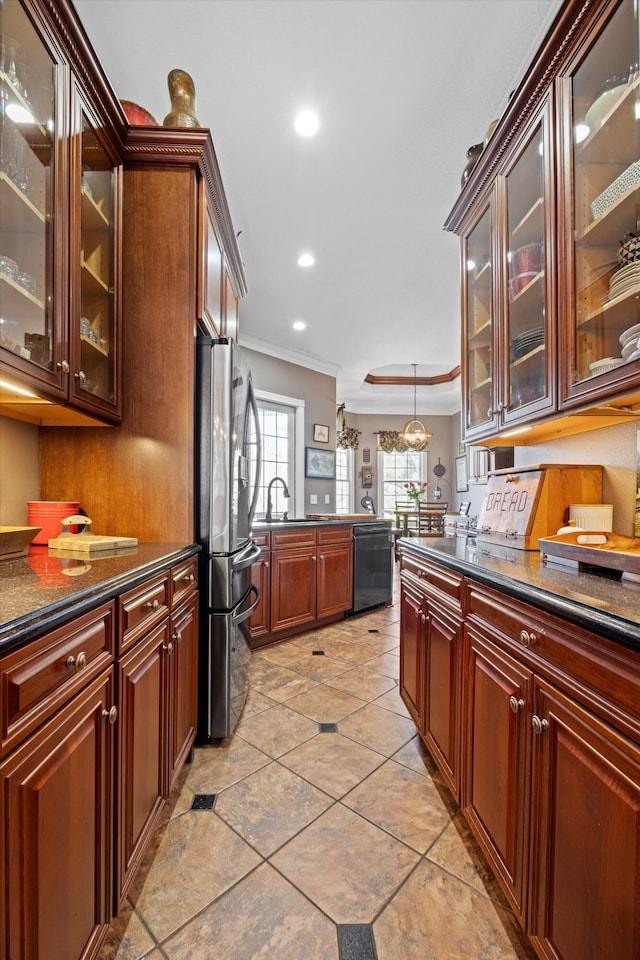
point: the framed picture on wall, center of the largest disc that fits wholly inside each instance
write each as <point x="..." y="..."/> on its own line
<point x="462" y="482"/>
<point x="320" y="433"/>
<point x="319" y="464"/>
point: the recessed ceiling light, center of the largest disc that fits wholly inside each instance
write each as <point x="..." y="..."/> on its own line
<point x="299" y="325"/>
<point x="306" y="260"/>
<point x="307" y="123"/>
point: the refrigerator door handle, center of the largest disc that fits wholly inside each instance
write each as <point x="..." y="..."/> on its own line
<point x="238" y="615"/>
<point x="256" y="419"/>
<point x="247" y="557"/>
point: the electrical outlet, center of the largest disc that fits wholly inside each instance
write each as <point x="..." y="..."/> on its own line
<point x="313" y="498"/>
<point x="327" y="498"/>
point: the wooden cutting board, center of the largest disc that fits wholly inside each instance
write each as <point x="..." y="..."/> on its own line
<point x="88" y="543"/>
<point x="594" y="548"/>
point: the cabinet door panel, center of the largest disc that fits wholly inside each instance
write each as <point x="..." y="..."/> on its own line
<point x="293" y="588"/>
<point x="260" y="618"/>
<point x="55" y="817"/>
<point x="442" y="692"/>
<point x="497" y="777"/>
<point x="586" y="845"/>
<point x="335" y="593"/>
<point x="142" y="684"/>
<point x="184" y="669"/>
<point x="412" y="625"/>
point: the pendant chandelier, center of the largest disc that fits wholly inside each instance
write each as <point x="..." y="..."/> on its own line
<point x="414" y="432"/>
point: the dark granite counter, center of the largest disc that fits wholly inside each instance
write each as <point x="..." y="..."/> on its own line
<point x="597" y="601"/>
<point x="41" y="591"/>
<point x="261" y="526"/>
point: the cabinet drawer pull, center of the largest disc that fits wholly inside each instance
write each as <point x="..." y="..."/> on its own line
<point x="188" y="578"/>
<point x="177" y="637"/>
<point x="423" y="617"/>
<point x="78" y="663"/>
<point x="63" y="365"/>
<point x="538" y="725"/>
<point x="80" y="376"/>
<point x="516" y="704"/>
<point x="111" y="715"/>
<point x="152" y="606"/>
<point x="168" y="647"/>
<point x="527" y="638"/>
<point x="266" y="564"/>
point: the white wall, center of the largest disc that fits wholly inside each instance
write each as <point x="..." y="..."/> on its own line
<point x="19" y="470"/>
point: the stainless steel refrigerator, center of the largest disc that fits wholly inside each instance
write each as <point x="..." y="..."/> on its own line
<point x="227" y="443"/>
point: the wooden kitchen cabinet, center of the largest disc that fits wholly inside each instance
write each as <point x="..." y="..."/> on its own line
<point x="157" y="700"/>
<point x="412" y="627"/>
<point x="59" y="221"/>
<point x="545" y="302"/>
<point x="56" y="803"/>
<point x="305" y="578"/>
<point x="259" y="622"/>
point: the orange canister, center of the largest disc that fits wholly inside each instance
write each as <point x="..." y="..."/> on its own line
<point x="49" y="515"/>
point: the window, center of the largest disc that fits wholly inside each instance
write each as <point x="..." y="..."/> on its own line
<point x="394" y="470"/>
<point x="344" y="486"/>
<point x="282" y="429"/>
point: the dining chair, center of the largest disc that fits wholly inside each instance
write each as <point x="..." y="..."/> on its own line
<point x="431" y="517"/>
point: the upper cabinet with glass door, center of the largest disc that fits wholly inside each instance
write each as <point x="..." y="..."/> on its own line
<point x="32" y="259"/>
<point x="528" y="365"/>
<point x="478" y="360"/>
<point x="602" y="193"/>
<point x="59" y="223"/>
<point x="95" y="361"/>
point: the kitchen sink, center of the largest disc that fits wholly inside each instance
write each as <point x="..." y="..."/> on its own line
<point x="276" y="520"/>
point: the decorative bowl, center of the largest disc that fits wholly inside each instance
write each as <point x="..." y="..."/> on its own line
<point x="599" y="109"/>
<point x="14" y="541"/>
<point x="138" y="116"/>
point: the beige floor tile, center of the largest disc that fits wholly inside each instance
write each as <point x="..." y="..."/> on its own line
<point x="346" y="649"/>
<point x="198" y="858"/>
<point x="393" y="701"/>
<point x="282" y="654"/>
<point x="436" y="916"/>
<point x="218" y="766"/>
<point x="346" y="866"/>
<point x="378" y="643"/>
<point x="277" y="682"/>
<point x="457" y="852"/>
<point x="332" y="762"/>
<point x="319" y="668"/>
<point x="362" y="683"/>
<point x="277" y="731"/>
<point x="256" y="702"/>
<point x="414" y="755"/>
<point x="325" y="704"/>
<point x="262" y="918"/>
<point x="270" y="807"/>
<point x="401" y="802"/>
<point x="387" y="664"/>
<point x="381" y="730"/>
<point x="127" y="938"/>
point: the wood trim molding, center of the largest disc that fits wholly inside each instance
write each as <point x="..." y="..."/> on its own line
<point x="408" y="381"/>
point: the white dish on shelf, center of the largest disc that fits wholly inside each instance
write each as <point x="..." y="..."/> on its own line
<point x="626" y="335"/>
<point x="633" y="356"/>
<point x="629" y="347"/>
<point x="607" y="363"/>
<point x="600" y="107"/>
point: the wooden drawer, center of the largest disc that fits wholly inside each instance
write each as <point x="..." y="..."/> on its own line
<point x="141" y="608"/>
<point x="184" y="580"/>
<point x="293" y="538"/>
<point x="334" y="534"/>
<point x="38" y="679"/>
<point x="447" y="584"/>
<point x="602" y="674"/>
<point x="262" y="539"/>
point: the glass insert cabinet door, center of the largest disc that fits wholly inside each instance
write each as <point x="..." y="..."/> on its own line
<point x="28" y="122"/>
<point x="478" y="345"/>
<point x="92" y="300"/>
<point x="526" y="365"/>
<point x="604" y="122"/>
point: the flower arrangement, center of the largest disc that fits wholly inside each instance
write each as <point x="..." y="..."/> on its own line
<point x="416" y="491"/>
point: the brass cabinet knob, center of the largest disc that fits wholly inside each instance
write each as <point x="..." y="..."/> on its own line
<point x="177" y="637"/>
<point x="78" y="663"/>
<point x="111" y="715"/>
<point x="80" y="376"/>
<point x="63" y="365"/>
<point x="538" y="725"/>
<point x="188" y="578"/>
<point x="168" y="647"/>
<point x="152" y="606"/>
<point x="516" y="705"/>
<point x="527" y="638"/>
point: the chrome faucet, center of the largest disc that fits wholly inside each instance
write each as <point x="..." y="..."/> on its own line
<point x="269" y="515"/>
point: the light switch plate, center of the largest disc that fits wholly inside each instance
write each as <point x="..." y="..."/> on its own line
<point x="327" y="498"/>
<point x="313" y="498"/>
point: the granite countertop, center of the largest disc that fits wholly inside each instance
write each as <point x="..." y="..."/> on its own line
<point x="598" y="601"/>
<point x="317" y="520"/>
<point x="46" y="588"/>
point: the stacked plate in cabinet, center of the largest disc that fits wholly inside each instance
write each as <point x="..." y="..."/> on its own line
<point x="624" y="279"/>
<point x="630" y="341"/>
<point x="526" y="342"/>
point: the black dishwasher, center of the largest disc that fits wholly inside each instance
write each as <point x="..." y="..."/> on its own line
<point x="372" y="565"/>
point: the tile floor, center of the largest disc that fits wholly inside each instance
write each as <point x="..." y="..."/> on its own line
<point x="331" y="836"/>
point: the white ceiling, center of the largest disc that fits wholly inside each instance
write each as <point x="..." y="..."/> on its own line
<point x="402" y="88"/>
